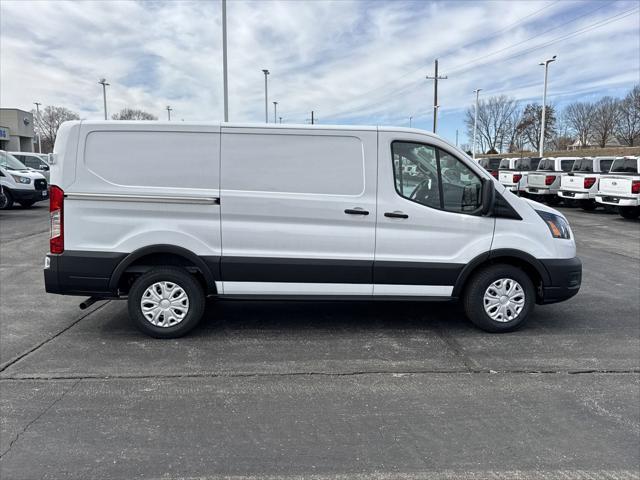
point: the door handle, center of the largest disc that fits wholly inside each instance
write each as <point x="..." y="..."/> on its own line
<point x="356" y="211"/>
<point x="396" y="215"/>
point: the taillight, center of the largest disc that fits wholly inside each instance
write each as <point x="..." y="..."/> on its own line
<point x="56" y="213"/>
<point x="588" y="182"/>
<point x="516" y="177"/>
<point x="635" y="186"/>
<point x="549" y="179"/>
<point x="495" y="173"/>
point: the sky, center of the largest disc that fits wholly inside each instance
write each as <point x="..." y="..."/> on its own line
<point x="352" y="62"/>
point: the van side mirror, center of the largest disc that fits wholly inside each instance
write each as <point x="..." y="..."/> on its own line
<point x="488" y="196"/>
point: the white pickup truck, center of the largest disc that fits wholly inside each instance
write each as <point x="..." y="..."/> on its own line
<point x="514" y="172"/>
<point x="544" y="183"/>
<point x="621" y="187"/>
<point x="581" y="183"/>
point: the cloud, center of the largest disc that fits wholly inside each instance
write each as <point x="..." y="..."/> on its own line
<point x="361" y="61"/>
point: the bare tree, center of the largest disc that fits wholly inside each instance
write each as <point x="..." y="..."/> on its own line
<point x="51" y="117"/>
<point x="579" y="117"/>
<point x="494" y="115"/>
<point x="628" y="127"/>
<point x="605" y="120"/>
<point x="530" y="124"/>
<point x="133" y="114"/>
<point x="561" y="139"/>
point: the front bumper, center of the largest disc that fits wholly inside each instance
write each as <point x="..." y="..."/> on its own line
<point x="573" y="195"/>
<point x="618" y="201"/>
<point x="20" y="195"/>
<point x="565" y="278"/>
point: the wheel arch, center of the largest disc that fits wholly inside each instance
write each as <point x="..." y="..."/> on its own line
<point x="145" y="258"/>
<point x="527" y="262"/>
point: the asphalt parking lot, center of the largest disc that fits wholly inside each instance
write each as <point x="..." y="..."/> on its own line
<point x="322" y="390"/>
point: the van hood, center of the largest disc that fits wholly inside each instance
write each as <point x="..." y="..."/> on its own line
<point x="542" y="207"/>
<point x="25" y="172"/>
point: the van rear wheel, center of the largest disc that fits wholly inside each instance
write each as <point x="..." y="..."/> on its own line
<point x="166" y="302"/>
<point x="499" y="298"/>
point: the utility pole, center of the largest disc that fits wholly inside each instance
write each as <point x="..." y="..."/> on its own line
<point x="103" y="82"/>
<point x="169" y="112"/>
<point x="475" y="122"/>
<point x="410" y="118"/>
<point x="266" y="96"/>
<point x="545" y="64"/>
<point x="275" y="112"/>
<point x="435" y="79"/>
<point x="37" y="104"/>
<point x="224" y="60"/>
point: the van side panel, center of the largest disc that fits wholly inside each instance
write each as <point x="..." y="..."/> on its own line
<point x="145" y="185"/>
<point x="285" y="195"/>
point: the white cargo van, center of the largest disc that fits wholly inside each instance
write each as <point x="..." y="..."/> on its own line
<point x="20" y="183"/>
<point x="165" y="214"/>
<point x="621" y="187"/>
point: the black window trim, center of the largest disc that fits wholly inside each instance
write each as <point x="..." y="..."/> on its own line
<point x="476" y="213"/>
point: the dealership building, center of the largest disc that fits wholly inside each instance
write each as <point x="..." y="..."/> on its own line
<point x="16" y="130"/>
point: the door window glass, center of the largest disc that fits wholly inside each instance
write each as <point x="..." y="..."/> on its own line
<point x="434" y="178"/>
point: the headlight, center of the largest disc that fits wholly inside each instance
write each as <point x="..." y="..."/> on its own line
<point x="558" y="226"/>
<point x="21" y="179"/>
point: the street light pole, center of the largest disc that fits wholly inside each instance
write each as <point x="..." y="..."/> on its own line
<point x="169" y="112"/>
<point x="266" y="96"/>
<point x="280" y="119"/>
<point x="545" y="64"/>
<point x="475" y="122"/>
<point x="37" y="104"/>
<point x="103" y="82"/>
<point x="275" y="112"/>
<point x="410" y="118"/>
<point x="224" y="60"/>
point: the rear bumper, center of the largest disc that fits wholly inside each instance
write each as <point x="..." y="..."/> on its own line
<point x="541" y="191"/>
<point x="81" y="273"/>
<point x="618" y="201"/>
<point x="572" y="194"/>
<point x="565" y="277"/>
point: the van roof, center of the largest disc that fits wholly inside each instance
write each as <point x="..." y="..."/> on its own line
<point x="275" y="126"/>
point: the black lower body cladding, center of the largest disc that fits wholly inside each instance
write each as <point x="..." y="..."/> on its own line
<point x="565" y="279"/>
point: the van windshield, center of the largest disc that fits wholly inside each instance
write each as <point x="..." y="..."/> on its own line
<point x="526" y="164"/>
<point x="10" y="162"/>
<point x="547" y="164"/>
<point x="583" y="165"/>
<point x="624" y="165"/>
<point x="504" y="164"/>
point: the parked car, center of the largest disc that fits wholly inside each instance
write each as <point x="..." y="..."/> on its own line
<point x="507" y="176"/>
<point x="524" y="166"/>
<point x="491" y="165"/>
<point x="621" y="187"/>
<point x="19" y="183"/>
<point x="35" y="161"/>
<point x="544" y="183"/>
<point x="581" y="183"/>
<point x="165" y="214"/>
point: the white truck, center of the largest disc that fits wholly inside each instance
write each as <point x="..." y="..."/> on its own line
<point x="544" y="183"/>
<point x="507" y="176"/>
<point x="581" y="183"/>
<point x="621" y="187"/>
<point x="165" y="214"/>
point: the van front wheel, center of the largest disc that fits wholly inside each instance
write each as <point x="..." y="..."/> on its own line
<point x="166" y="302"/>
<point x="499" y="298"/>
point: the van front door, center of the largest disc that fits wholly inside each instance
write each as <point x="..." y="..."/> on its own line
<point x="428" y="223"/>
<point x="298" y="211"/>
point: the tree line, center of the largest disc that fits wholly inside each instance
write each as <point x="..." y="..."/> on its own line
<point x="51" y="117"/>
<point x="504" y="125"/>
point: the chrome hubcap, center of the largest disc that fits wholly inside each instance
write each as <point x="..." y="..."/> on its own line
<point x="164" y="304"/>
<point x="504" y="300"/>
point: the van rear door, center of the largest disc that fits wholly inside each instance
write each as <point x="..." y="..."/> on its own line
<point x="298" y="211"/>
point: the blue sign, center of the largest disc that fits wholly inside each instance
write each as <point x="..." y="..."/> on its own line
<point x="4" y="133"/>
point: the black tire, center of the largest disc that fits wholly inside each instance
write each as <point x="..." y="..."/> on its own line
<point x="588" y="205"/>
<point x="6" y="200"/>
<point x="473" y="297"/>
<point x="629" y="212"/>
<point x="27" y="204"/>
<point x="173" y="275"/>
